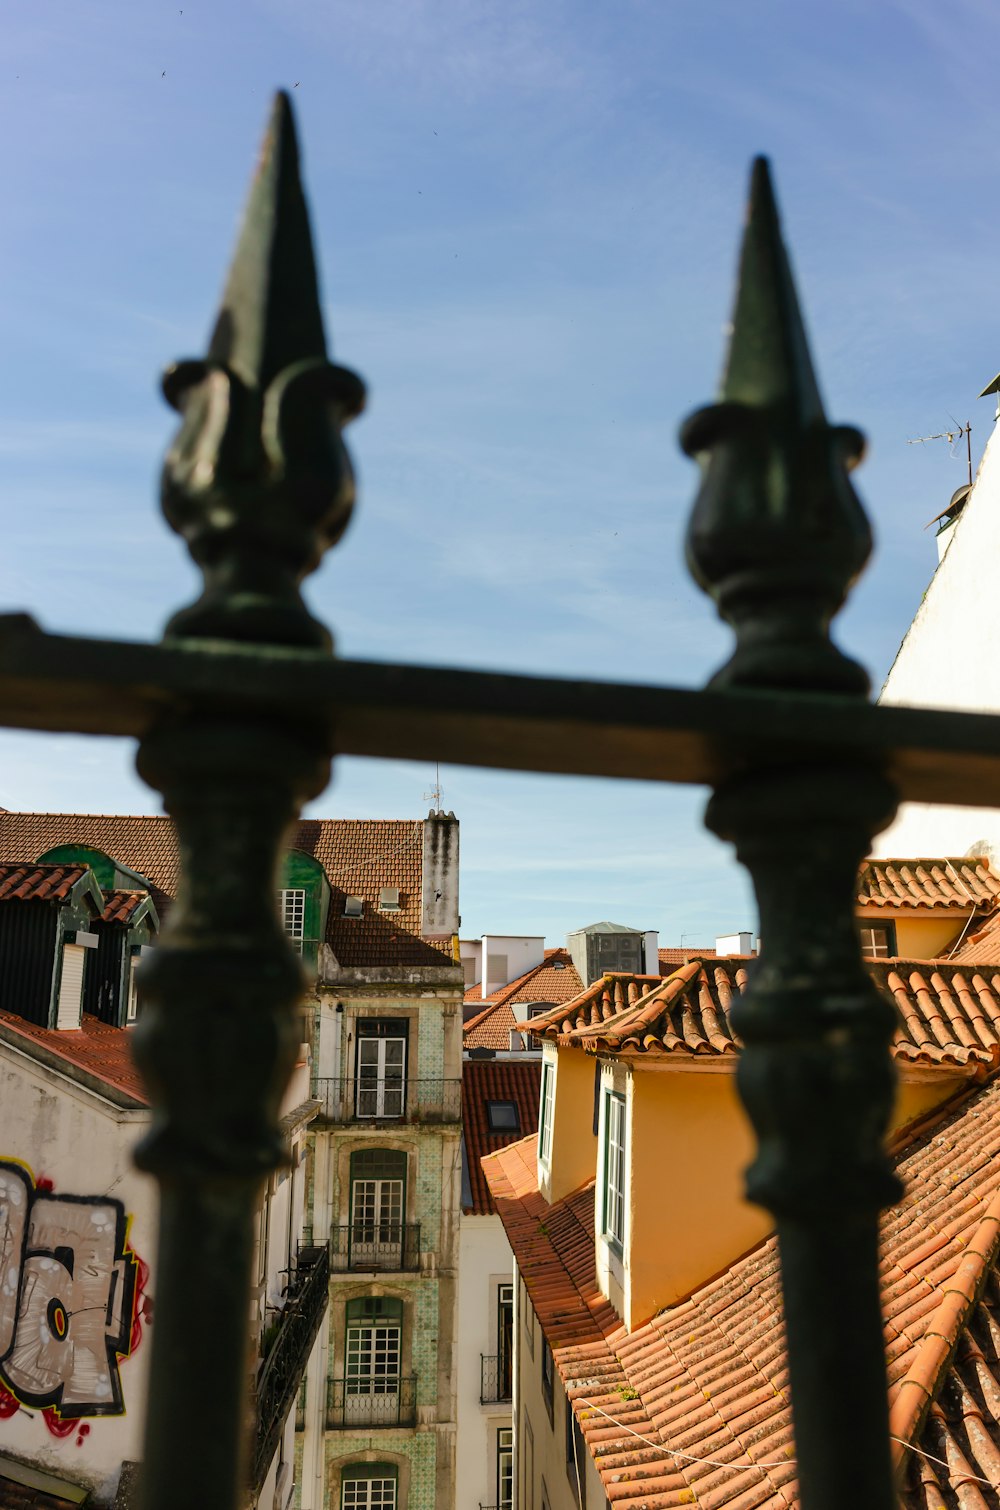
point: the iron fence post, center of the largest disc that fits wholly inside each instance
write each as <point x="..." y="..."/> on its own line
<point x="259" y="484"/>
<point x="777" y="535"/>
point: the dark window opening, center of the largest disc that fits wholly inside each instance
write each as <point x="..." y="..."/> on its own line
<point x="503" y="1116"/>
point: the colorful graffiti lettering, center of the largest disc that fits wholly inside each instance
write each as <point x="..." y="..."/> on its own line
<point x="70" y="1301"/>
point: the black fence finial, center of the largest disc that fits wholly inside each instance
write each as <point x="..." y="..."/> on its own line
<point x="258" y="480"/>
<point x="777" y="534"/>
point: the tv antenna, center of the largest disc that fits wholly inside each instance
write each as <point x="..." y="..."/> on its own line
<point x="951" y="436"/>
<point x="434" y="795"/>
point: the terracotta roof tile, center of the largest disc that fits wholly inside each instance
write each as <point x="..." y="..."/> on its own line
<point x="359" y="856"/>
<point x="707" y="1376"/>
<point x="981" y="947"/>
<point x="670" y="958"/>
<point x="120" y="905"/>
<point x="38" y="883"/>
<point x="959" y="884"/>
<point x="485" y="1080"/>
<point x="948" y="1014"/>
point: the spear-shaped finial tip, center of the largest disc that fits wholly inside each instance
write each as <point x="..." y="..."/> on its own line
<point x="258" y="480"/>
<point x="777" y="534"/>
<point x="769" y="360"/>
<point x="270" y="315"/>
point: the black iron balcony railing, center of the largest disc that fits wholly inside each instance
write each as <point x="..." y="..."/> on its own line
<point x="410" y="1100"/>
<point x="280" y="1377"/>
<point x="371" y="1402"/>
<point x="494" y="1378"/>
<point x="367" y="1246"/>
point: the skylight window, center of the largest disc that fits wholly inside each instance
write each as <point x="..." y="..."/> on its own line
<point x="388" y="899"/>
<point x="503" y="1116"/>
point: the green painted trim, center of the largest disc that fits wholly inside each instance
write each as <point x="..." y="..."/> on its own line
<point x="82" y="854"/>
<point x="301" y="872"/>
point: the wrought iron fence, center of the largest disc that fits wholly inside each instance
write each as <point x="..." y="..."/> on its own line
<point x="280" y="1377"/>
<point x="239" y="708"/>
<point x="408" y="1100"/>
<point x="371" y="1402"/>
<point x="494" y="1378"/>
<point x="370" y="1246"/>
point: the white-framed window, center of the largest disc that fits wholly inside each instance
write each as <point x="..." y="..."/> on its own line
<point x="545" y="1114"/>
<point x="505" y="1468"/>
<point x="132" y="1007"/>
<point x="614" y="1167"/>
<point x="380" y="1069"/>
<point x="368" y="1486"/>
<point x="292" y="910"/>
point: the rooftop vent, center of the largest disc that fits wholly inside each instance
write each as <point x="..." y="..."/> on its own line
<point x="354" y="907"/>
<point x="388" y="899"/>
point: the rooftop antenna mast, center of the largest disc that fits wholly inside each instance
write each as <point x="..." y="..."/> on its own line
<point x="434" y="795"/>
<point x="951" y="436"/>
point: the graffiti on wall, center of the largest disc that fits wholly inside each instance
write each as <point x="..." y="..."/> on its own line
<point x="70" y="1301"/>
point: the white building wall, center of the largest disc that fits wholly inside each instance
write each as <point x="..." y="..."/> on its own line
<point x="513" y="954"/>
<point x="948" y="660"/>
<point x="54" y="1130"/>
<point x="485" y="1262"/>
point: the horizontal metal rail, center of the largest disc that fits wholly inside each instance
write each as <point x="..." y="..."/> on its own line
<point x="369" y="1246"/>
<point x="528" y="723"/>
<point x="370" y="1402"/>
<point x="378" y="1101"/>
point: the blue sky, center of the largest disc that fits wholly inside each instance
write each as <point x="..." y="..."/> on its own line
<point x="527" y="215"/>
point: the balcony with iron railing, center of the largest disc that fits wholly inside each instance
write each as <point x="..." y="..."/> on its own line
<point x="280" y="1377"/>
<point x="381" y="1101"/>
<point x="367" y="1247"/>
<point x="371" y="1402"/>
<point x="494" y="1378"/>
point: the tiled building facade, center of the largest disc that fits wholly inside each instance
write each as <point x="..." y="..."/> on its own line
<point x="378" y="1416"/>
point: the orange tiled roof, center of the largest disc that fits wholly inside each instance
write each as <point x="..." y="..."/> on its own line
<point x="948" y="1014"/>
<point x="960" y="884"/>
<point x="102" y="1051"/>
<point x="39" y="883"/>
<point x="708" y="1375"/>
<point x="981" y="946"/>
<point x="359" y="856"/>
<point x="670" y="958"/>
<point x="120" y="905"/>
<point x="555" y="980"/>
<point x="486" y="1080"/>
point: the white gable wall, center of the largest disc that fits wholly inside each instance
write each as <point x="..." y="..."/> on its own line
<point x="949" y="660"/>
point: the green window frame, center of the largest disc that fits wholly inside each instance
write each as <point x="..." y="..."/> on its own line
<point x="614" y="1171"/>
<point x="545" y="1113"/>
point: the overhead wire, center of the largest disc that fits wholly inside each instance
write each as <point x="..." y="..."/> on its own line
<point x="689" y="1457"/>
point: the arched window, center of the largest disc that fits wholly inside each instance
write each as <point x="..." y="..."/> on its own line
<point x="377" y="1230"/>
